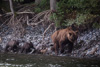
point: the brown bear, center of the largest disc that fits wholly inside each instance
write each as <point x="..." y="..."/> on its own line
<point x="12" y="45"/>
<point x="27" y="47"/>
<point x="62" y="37"/>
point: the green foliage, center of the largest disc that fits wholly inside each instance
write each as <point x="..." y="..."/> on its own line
<point x="78" y="4"/>
<point x="37" y="10"/>
<point x="57" y="19"/>
<point x="81" y="3"/>
<point x="83" y="8"/>
<point x="80" y="19"/>
<point x="96" y="25"/>
<point x="44" y="5"/>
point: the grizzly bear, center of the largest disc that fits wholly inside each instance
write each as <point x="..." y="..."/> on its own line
<point x="12" y="45"/>
<point x="27" y="47"/>
<point x="62" y="37"/>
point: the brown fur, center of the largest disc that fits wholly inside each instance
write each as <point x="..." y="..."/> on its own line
<point x="27" y="47"/>
<point x="12" y="45"/>
<point x="62" y="37"/>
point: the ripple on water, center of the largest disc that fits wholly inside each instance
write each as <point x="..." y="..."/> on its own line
<point x="16" y="65"/>
<point x="12" y="59"/>
<point x="56" y="65"/>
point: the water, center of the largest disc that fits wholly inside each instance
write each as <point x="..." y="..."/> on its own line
<point x="23" y="60"/>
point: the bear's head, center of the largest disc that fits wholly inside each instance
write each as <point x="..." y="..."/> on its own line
<point x="13" y="43"/>
<point x="72" y="35"/>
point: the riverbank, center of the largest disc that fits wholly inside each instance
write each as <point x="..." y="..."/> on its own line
<point x="88" y="42"/>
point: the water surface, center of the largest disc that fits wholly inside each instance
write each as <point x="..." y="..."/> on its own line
<point x="23" y="60"/>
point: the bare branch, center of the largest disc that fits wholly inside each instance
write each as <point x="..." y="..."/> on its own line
<point x="47" y="29"/>
<point x="10" y="13"/>
<point x="34" y="24"/>
<point x="5" y="22"/>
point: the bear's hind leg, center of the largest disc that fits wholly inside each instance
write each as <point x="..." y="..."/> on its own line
<point x="21" y="50"/>
<point x="56" y="49"/>
<point x="6" y="48"/>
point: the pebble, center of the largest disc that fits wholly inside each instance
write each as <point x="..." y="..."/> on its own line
<point x="0" y="39"/>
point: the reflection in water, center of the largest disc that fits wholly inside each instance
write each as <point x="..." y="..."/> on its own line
<point x="22" y="60"/>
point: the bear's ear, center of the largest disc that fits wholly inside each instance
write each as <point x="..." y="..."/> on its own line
<point x="77" y="32"/>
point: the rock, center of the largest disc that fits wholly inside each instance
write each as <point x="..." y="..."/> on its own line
<point x="33" y="50"/>
<point x="91" y="52"/>
<point x="1" y="48"/>
<point x="98" y="52"/>
<point x="43" y="51"/>
<point x="0" y="39"/>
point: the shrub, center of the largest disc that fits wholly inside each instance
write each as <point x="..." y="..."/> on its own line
<point x="66" y="8"/>
<point x="44" y="5"/>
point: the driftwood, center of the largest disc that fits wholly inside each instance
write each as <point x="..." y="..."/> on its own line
<point x="33" y="24"/>
<point x="21" y="19"/>
<point x="41" y="17"/>
<point x="10" y="13"/>
<point x="47" y="30"/>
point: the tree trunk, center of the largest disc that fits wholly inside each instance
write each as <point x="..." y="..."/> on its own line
<point x="11" y="7"/>
<point x="53" y="5"/>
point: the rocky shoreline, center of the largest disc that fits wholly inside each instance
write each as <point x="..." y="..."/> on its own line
<point x="88" y="42"/>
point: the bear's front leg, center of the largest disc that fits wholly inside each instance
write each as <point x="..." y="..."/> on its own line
<point x="22" y="50"/>
<point x="61" y="45"/>
<point x="6" y="48"/>
<point x="25" y="51"/>
<point x="70" y="47"/>
<point x="14" y="48"/>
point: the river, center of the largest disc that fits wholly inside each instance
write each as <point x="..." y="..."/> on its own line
<point x="30" y="60"/>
